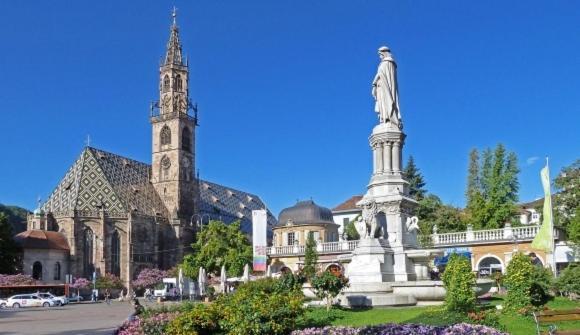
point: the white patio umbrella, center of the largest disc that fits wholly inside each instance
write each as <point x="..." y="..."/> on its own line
<point x="268" y="271"/>
<point x="223" y="279"/>
<point x="246" y="276"/>
<point x="201" y="281"/>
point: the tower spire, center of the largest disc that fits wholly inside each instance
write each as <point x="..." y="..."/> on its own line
<point x="173" y="54"/>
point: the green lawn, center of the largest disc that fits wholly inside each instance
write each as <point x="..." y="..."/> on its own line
<point x="516" y="325"/>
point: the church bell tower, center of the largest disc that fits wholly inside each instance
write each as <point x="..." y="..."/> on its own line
<point x="173" y="120"/>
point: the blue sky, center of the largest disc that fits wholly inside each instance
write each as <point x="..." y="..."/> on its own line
<point x="283" y="89"/>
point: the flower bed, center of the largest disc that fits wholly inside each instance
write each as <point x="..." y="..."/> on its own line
<point x="403" y="329"/>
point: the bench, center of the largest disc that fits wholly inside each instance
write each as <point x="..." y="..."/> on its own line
<point x="548" y="316"/>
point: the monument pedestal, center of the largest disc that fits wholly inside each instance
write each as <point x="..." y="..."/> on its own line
<point x="370" y="273"/>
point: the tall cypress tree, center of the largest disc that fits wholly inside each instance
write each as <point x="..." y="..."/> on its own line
<point x="416" y="182"/>
<point x="310" y="257"/>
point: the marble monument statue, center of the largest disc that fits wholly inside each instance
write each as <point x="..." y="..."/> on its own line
<point x="386" y="91"/>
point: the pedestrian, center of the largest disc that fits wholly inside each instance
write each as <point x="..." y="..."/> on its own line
<point x="137" y="309"/>
<point x="108" y="296"/>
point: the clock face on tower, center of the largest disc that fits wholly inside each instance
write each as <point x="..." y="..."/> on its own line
<point x="165" y="162"/>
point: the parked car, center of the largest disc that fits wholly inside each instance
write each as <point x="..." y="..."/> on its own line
<point x="3" y="303"/>
<point x="28" y="300"/>
<point x="75" y="298"/>
<point x="59" y="301"/>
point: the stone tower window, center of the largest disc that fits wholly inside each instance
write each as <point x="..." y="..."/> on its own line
<point x="116" y="254"/>
<point x="178" y="83"/>
<point x="88" y="264"/>
<point x="166" y="83"/>
<point x="165" y="135"/>
<point x="186" y="139"/>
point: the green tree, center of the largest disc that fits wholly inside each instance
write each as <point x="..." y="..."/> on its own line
<point x="459" y="283"/>
<point x="350" y="230"/>
<point x="216" y="245"/>
<point x="492" y="187"/>
<point x="310" y="257"/>
<point x="9" y="250"/>
<point x="416" y="182"/>
<point x="432" y="211"/>
<point x="327" y="286"/>
<point x="567" y="198"/>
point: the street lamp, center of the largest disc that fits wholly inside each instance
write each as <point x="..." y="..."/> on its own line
<point x="199" y="221"/>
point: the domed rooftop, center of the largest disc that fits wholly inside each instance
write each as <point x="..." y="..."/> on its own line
<point x="305" y="212"/>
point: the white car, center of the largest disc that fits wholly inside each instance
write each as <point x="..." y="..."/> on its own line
<point x="59" y="301"/>
<point x="28" y="300"/>
<point x="3" y="303"/>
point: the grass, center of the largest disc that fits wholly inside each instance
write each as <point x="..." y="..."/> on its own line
<point x="432" y="315"/>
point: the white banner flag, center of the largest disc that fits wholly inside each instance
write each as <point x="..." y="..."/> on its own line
<point x="260" y="242"/>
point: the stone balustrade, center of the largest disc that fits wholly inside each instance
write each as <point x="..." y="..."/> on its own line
<point x="468" y="237"/>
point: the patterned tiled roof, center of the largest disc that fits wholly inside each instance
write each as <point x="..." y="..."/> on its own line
<point x="229" y="205"/>
<point x="119" y="185"/>
<point x="99" y="179"/>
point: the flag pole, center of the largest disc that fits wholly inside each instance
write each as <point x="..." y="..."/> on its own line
<point x="552" y="235"/>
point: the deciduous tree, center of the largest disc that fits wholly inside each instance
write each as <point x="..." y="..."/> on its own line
<point x="216" y="245"/>
<point x="9" y="250"/>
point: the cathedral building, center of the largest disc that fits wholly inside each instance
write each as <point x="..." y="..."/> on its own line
<point x="112" y="214"/>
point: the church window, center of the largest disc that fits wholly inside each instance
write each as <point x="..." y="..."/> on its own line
<point x="165" y="136"/>
<point x="166" y="83"/>
<point x="37" y="271"/>
<point x="57" y="271"/>
<point x="186" y="139"/>
<point x="116" y="254"/>
<point x="88" y="264"/>
<point x="178" y="83"/>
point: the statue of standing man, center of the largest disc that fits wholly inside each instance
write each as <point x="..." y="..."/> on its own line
<point x="386" y="91"/>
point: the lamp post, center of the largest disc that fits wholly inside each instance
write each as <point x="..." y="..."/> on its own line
<point x="199" y="222"/>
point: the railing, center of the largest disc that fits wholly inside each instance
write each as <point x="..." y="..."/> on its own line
<point x="507" y="234"/>
<point x="489" y="235"/>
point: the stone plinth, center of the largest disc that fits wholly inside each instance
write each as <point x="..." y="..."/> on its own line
<point x="371" y="263"/>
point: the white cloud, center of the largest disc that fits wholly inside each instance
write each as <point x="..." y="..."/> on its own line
<point x="532" y="160"/>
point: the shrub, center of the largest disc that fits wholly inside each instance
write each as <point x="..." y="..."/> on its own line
<point x="401" y="329"/>
<point x="109" y="280"/>
<point x="328" y="286"/>
<point x="569" y="281"/>
<point x="15" y="280"/>
<point x="527" y="285"/>
<point x="156" y="324"/>
<point x="199" y="320"/>
<point x="148" y="278"/>
<point x="259" y="313"/>
<point x="459" y="282"/>
<point x="290" y="282"/>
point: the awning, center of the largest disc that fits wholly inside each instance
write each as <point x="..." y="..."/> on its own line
<point x="565" y="254"/>
<point x="442" y="260"/>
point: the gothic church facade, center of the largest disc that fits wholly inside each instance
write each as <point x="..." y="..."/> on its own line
<point x="117" y="215"/>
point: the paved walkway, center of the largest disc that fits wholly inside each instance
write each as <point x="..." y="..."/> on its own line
<point x="85" y="318"/>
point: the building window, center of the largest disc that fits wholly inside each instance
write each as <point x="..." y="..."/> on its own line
<point x="37" y="271"/>
<point x="116" y="254"/>
<point x="165" y="136"/>
<point x="345" y="221"/>
<point x="488" y="266"/>
<point x="178" y="83"/>
<point x="166" y="83"/>
<point x="186" y="139"/>
<point x="88" y="264"/>
<point x="57" y="271"/>
<point x="291" y="238"/>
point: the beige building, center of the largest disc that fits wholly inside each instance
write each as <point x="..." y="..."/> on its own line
<point x="117" y="215"/>
<point x="294" y="225"/>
